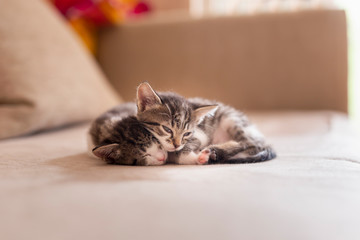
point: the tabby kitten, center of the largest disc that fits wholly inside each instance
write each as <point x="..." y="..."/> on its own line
<point x="171" y="119"/>
<point x="119" y="138"/>
<point x="198" y="131"/>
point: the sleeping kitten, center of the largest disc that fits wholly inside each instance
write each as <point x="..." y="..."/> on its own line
<point x="171" y="119"/>
<point x="198" y="131"/>
<point x="121" y="139"/>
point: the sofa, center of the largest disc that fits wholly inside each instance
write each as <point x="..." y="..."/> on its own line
<point x="287" y="71"/>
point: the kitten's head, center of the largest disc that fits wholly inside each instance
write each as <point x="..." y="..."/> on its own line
<point x="169" y="116"/>
<point x="129" y="154"/>
<point x="126" y="141"/>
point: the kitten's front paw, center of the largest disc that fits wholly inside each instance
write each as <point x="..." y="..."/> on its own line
<point x="209" y="154"/>
<point x="206" y="155"/>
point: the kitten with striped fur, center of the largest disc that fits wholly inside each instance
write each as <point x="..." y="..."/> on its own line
<point x="143" y="134"/>
<point x="118" y="137"/>
<point x="199" y="131"/>
<point x="188" y="131"/>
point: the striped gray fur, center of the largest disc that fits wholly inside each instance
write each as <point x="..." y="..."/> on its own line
<point x="189" y="131"/>
<point x="200" y="131"/>
<point x="240" y="141"/>
<point x="168" y="116"/>
<point x="119" y="138"/>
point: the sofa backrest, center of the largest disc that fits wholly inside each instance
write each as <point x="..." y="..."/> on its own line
<point x="294" y="60"/>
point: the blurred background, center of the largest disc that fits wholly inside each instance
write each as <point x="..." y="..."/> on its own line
<point x="88" y="16"/>
<point x="352" y="9"/>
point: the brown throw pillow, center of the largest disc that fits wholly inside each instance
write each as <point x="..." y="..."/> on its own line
<point x="47" y="78"/>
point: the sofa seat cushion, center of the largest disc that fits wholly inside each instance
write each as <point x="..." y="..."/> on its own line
<point x="51" y="189"/>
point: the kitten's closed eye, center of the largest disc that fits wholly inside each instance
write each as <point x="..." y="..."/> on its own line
<point x="187" y="134"/>
<point x="168" y="130"/>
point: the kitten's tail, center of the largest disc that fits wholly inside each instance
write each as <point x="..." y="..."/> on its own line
<point x="267" y="153"/>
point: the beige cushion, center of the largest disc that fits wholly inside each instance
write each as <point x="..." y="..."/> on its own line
<point x="47" y="78"/>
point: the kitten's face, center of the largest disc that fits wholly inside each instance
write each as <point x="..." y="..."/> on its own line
<point x="124" y="140"/>
<point x="173" y="130"/>
<point x="169" y="117"/>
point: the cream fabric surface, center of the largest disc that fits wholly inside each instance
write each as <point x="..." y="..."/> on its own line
<point x="50" y="188"/>
<point x="47" y="79"/>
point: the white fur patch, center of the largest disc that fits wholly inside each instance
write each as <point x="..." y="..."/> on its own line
<point x="221" y="135"/>
<point x="243" y="155"/>
<point x="153" y="150"/>
<point x="253" y="132"/>
<point x="188" y="159"/>
<point x="157" y="156"/>
<point x="203" y="138"/>
<point x="115" y="119"/>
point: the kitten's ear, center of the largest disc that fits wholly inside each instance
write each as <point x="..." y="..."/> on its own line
<point x="146" y="97"/>
<point x="107" y="152"/>
<point x="203" y="111"/>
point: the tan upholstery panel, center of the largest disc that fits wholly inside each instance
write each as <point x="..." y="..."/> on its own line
<point x="47" y="79"/>
<point x="292" y="60"/>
